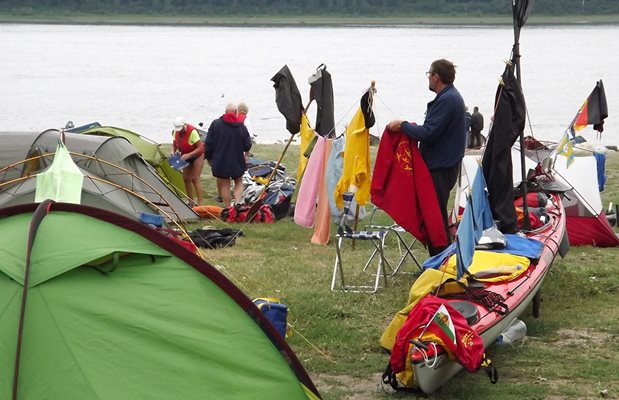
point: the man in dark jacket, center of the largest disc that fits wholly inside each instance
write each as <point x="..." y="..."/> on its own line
<point x="477" y="124"/>
<point x="226" y="142"/>
<point x="442" y="137"/>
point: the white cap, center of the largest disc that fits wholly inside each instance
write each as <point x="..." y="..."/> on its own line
<point x="179" y="122"/>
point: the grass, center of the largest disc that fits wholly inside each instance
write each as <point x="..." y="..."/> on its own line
<point x="570" y="352"/>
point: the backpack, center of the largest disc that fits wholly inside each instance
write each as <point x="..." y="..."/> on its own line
<point x="214" y="238"/>
<point x="275" y="311"/>
<point x="239" y="213"/>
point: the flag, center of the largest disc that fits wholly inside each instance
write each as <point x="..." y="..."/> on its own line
<point x="322" y="90"/>
<point x="465" y="240"/>
<point x="509" y="121"/>
<point x="288" y="99"/>
<point x="441" y="329"/>
<point x="476" y="218"/>
<point x="482" y="213"/>
<point x="593" y="111"/>
<point x="565" y="149"/>
<point x="63" y="180"/>
<point x="521" y="10"/>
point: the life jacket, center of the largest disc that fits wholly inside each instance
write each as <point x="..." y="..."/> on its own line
<point x="181" y="139"/>
<point x="534" y="199"/>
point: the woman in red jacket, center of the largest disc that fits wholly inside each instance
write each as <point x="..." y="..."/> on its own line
<point x="187" y="142"/>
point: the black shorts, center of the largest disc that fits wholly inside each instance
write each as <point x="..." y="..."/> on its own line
<point x="227" y="177"/>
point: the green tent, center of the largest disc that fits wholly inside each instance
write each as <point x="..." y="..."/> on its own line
<point x="95" y="305"/>
<point x="150" y="151"/>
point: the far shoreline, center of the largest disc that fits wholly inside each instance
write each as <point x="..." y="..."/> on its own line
<point x="304" y="21"/>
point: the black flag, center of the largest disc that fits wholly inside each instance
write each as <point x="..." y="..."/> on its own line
<point x="521" y="11"/>
<point x="288" y="99"/>
<point x="508" y="124"/>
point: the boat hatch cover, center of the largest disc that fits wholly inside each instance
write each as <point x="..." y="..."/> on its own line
<point x="467" y="309"/>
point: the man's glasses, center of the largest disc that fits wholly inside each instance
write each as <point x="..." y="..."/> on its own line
<point x="429" y="73"/>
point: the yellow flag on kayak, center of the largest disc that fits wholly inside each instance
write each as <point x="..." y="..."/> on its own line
<point x="565" y="149"/>
<point x="62" y="182"/>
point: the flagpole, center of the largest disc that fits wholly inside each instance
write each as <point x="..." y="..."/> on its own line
<point x="526" y="223"/>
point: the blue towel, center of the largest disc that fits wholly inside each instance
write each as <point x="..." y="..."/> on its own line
<point x="516" y="245"/>
<point x="601" y="167"/>
<point x="522" y="246"/>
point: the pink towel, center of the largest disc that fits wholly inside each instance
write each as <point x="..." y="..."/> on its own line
<point x="322" y="228"/>
<point x="305" y="207"/>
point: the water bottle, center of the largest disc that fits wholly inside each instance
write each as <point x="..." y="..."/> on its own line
<point x="516" y="331"/>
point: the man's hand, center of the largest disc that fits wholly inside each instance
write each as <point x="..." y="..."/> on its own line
<point x="394" y="126"/>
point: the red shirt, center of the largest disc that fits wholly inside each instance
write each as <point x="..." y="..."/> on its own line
<point x="402" y="186"/>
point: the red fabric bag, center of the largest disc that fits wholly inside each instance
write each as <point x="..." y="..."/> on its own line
<point x="469" y="347"/>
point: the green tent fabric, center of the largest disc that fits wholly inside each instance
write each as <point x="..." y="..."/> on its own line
<point x="115" y="310"/>
<point x="62" y="181"/>
<point x="150" y="151"/>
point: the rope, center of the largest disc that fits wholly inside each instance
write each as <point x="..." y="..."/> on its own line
<point x="424" y="354"/>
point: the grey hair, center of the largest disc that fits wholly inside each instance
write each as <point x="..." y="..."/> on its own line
<point x="231" y="108"/>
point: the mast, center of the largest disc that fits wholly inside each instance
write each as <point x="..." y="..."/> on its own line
<point x="520" y="13"/>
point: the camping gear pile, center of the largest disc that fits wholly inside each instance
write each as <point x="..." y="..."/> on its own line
<point x="277" y="195"/>
<point x="212" y="238"/>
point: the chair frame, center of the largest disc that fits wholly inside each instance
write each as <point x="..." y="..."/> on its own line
<point x="406" y="248"/>
<point x="377" y="239"/>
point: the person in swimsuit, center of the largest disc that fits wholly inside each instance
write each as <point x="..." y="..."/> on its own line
<point x="186" y="141"/>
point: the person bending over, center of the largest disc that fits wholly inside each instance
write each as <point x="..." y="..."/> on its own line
<point x="186" y="141"/>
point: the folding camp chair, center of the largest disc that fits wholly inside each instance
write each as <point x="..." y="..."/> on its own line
<point x="377" y="257"/>
<point x="403" y="243"/>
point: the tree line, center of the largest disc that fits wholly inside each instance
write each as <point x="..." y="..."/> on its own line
<point x="364" y="8"/>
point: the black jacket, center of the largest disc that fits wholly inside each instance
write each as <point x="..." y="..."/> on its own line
<point x="225" y="145"/>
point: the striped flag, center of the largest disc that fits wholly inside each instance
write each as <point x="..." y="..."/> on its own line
<point x="441" y="330"/>
<point x="593" y="111"/>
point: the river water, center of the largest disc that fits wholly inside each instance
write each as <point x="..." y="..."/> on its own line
<point x="141" y="77"/>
